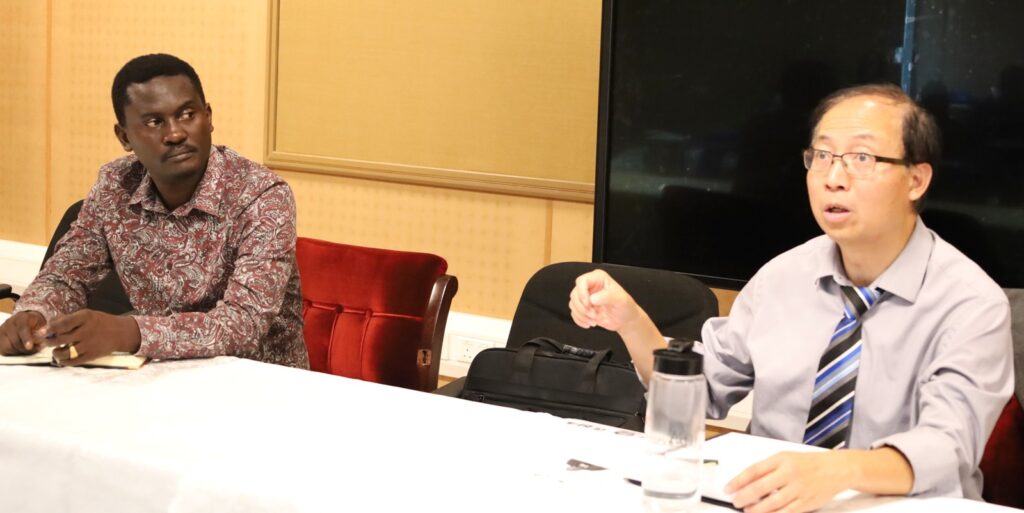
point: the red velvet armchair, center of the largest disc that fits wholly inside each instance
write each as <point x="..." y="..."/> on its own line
<point x="374" y="314"/>
<point x="1002" y="465"/>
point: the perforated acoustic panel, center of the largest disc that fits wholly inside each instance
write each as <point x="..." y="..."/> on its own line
<point x="23" y="120"/>
<point x="467" y="86"/>
<point x="492" y="242"/>
<point x="225" y="41"/>
<point x="572" y="231"/>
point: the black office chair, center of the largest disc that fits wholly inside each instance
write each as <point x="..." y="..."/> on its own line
<point x="108" y="296"/>
<point x="678" y="304"/>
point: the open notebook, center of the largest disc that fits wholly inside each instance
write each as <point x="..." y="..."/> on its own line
<point x="45" y="357"/>
<point x="734" y="452"/>
<point x="626" y="453"/>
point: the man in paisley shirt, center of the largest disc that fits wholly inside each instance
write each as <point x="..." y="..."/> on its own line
<point x="202" y="238"/>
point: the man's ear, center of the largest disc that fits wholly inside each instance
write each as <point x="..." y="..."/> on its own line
<point x="920" y="179"/>
<point x="122" y="137"/>
<point x="209" y="114"/>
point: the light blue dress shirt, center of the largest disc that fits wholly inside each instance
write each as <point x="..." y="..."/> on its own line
<point x="936" y="365"/>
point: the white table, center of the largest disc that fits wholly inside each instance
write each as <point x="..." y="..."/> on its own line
<point x="236" y="435"/>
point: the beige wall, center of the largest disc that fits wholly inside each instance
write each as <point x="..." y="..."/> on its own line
<point x="60" y="56"/>
<point x="487" y="94"/>
<point x="23" y="120"/>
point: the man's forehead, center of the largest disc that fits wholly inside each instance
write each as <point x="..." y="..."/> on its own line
<point x="863" y="117"/>
<point x="864" y="135"/>
<point x="162" y="89"/>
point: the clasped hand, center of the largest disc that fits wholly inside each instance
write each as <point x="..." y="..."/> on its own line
<point x="92" y="334"/>
<point x="598" y="300"/>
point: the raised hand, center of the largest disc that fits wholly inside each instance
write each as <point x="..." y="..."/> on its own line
<point x="598" y="300"/>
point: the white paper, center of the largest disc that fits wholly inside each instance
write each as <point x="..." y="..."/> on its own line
<point x="735" y="452"/>
<point x="45" y="357"/>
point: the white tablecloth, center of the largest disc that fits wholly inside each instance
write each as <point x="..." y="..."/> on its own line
<point x="236" y="435"/>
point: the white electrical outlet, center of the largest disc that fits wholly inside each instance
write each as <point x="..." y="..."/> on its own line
<point x="464" y="349"/>
<point x="462" y="326"/>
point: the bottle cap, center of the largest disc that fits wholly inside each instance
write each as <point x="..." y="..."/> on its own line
<point x="685" y="363"/>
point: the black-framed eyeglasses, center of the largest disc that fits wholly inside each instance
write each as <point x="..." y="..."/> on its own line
<point x="856" y="163"/>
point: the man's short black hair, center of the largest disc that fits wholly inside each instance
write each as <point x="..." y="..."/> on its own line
<point x="145" y="68"/>
<point x="922" y="140"/>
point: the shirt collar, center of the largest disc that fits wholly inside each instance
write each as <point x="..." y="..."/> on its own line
<point x="206" y="198"/>
<point x="902" y="278"/>
<point x="144" y="194"/>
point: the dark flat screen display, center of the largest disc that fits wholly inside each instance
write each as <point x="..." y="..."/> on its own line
<point x="705" y="110"/>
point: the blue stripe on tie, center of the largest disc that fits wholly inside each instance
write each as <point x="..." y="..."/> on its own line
<point x="867" y="295"/>
<point x="844" y="326"/>
<point x="833" y="419"/>
<point x="847" y="312"/>
<point x="825" y="387"/>
<point x="852" y="355"/>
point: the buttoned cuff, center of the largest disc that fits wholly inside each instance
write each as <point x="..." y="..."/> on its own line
<point x="932" y="456"/>
<point x="174" y="336"/>
<point x="149" y="335"/>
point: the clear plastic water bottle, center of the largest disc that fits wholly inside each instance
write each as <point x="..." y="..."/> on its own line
<point x="676" y="401"/>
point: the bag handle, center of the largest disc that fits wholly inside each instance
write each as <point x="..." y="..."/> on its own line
<point x="558" y="347"/>
<point x="545" y="343"/>
<point x="523" y="363"/>
<point x="589" y="381"/>
<point x="522" y="366"/>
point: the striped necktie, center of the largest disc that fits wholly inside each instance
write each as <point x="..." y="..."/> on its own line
<point x="831" y="414"/>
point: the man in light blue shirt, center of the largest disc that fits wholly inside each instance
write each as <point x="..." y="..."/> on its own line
<point x="909" y="384"/>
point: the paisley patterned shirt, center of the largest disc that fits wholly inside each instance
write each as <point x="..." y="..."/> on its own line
<point x="216" y="276"/>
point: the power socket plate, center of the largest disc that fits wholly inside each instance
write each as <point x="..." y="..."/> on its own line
<point x="464" y="349"/>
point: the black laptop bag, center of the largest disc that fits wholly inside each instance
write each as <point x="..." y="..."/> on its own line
<point x="545" y="376"/>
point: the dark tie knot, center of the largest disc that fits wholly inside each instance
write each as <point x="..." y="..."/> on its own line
<point x="861" y="298"/>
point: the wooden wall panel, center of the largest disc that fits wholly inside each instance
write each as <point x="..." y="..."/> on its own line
<point x="572" y="231"/>
<point x="414" y="90"/>
<point x="63" y="62"/>
<point x="492" y="243"/>
<point x="225" y="41"/>
<point x="23" y="129"/>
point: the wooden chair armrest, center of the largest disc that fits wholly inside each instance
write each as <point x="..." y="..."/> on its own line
<point x="428" y="357"/>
